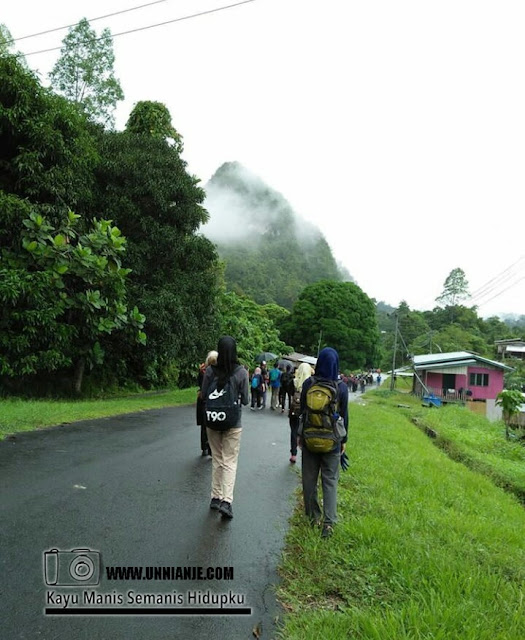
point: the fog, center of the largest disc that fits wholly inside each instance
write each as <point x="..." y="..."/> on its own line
<point x="242" y="207"/>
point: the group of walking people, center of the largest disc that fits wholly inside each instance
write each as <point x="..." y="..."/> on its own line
<point x="280" y="383"/>
<point x="225" y="385"/>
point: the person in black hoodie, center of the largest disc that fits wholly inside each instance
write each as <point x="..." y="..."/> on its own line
<point x="326" y="464"/>
<point x="225" y="444"/>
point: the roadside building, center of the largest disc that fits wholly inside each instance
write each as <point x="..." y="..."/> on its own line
<point x="463" y="377"/>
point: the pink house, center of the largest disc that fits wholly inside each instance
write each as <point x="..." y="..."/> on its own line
<point x="461" y="376"/>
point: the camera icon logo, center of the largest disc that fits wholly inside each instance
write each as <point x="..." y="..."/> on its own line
<point x="75" y="568"/>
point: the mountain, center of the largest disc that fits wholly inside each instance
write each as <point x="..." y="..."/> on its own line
<point x="270" y="253"/>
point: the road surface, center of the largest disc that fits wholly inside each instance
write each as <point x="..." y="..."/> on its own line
<point x="135" y="490"/>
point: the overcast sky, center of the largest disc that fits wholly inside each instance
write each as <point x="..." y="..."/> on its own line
<point x="397" y="127"/>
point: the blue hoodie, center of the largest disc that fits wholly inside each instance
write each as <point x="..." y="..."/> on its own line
<point x="327" y="368"/>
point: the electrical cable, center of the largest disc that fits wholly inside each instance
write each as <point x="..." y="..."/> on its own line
<point x="151" y="26"/>
<point x="500" y="292"/>
<point x="68" y="26"/>
<point x="502" y="278"/>
<point x="495" y="288"/>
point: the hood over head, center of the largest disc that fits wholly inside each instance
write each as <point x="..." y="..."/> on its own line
<point x="328" y="364"/>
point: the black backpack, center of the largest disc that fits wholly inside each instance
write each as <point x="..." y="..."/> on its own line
<point x="287" y="381"/>
<point x="223" y="408"/>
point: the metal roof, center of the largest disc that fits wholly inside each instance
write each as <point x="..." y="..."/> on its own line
<point x="300" y="357"/>
<point x="454" y="359"/>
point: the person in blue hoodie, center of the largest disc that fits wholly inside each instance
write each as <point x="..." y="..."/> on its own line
<point x="324" y="464"/>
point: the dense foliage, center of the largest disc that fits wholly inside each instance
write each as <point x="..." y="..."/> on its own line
<point x="53" y="160"/>
<point x="153" y="119"/>
<point x="252" y="325"/>
<point x="62" y="293"/>
<point x="335" y="314"/>
<point x="143" y="185"/>
<point x="445" y="329"/>
<point x="47" y="154"/>
<point x="270" y="253"/>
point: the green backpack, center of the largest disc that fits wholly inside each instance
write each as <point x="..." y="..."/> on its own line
<point x="322" y="428"/>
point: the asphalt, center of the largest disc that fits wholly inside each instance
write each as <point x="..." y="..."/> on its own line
<point x="135" y="490"/>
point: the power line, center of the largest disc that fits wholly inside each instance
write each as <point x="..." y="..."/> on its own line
<point x="68" y="26"/>
<point x="494" y="282"/>
<point x="503" y="291"/>
<point x="151" y="26"/>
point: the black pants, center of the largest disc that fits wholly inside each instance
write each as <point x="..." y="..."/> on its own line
<point x="294" y="426"/>
<point x="283" y="394"/>
<point x="204" y="438"/>
<point x="256" y="397"/>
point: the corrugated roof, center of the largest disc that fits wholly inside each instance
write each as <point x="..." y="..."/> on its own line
<point x="454" y="358"/>
<point x="446" y="365"/>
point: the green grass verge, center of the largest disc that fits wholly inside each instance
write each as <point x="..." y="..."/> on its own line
<point x="473" y="440"/>
<point x="425" y="547"/>
<point x="27" y="415"/>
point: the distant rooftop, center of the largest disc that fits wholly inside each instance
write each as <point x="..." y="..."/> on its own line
<point x="300" y="357"/>
<point x="457" y="358"/>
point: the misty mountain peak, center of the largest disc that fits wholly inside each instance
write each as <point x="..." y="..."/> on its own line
<point x="251" y="222"/>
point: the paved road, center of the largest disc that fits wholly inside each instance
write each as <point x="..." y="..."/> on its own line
<point x="135" y="489"/>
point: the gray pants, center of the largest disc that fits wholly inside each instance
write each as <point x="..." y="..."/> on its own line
<point x="328" y="465"/>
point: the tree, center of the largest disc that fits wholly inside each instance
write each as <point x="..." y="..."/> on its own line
<point x="6" y="40"/>
<point x="62" y="292"/>
<point x="47" y="152"/>
<point x="251" y="325"/>
<point x="143" y="186"/>
<point x="336" y="314"/>
<point x="510" y="401"/>
<point x="84" y="72"/>
<point x="413" y="335"/>
<point x="452" y="338"/>
<point x="153" y="119"/>
<point x="455" y="288"/>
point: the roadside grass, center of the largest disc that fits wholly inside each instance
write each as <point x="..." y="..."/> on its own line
<point x="471" y="439"/>
<point x="403" y="384"/>
<point x="17" y="415"/>
<point x="425" y="547"/>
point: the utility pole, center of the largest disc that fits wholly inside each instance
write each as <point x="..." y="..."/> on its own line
<point x="392" y="381"/>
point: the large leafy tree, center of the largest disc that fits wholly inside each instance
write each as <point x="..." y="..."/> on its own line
<point x="47" y="158"/>
<point x="143" y="186"/>
<point x="84" y="72"/>
<point x="252" y="325"/>
<point x="61" y="292"/>
<point x="47" y="153"/>
<point x="336" y="314"/>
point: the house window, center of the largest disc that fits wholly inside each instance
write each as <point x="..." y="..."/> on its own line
<point x="479" y="380"/>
